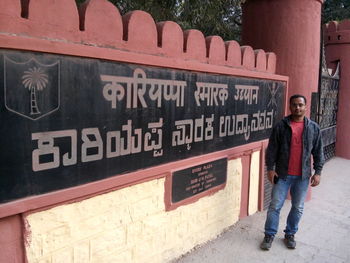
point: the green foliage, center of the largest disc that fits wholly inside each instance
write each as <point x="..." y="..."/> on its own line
<point x="212" y="17"/>
<point x="160" y="10"/>
<point x="335" y="10"/>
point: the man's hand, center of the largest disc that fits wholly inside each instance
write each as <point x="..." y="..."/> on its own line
<point x="271" y="174"/>
<point x="315" y="180"/>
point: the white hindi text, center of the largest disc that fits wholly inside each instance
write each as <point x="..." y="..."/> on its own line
<point x="134" y="89"/>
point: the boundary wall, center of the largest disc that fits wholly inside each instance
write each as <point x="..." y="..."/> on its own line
<point x="124" y="218"/>
<point x="337" y="48"/>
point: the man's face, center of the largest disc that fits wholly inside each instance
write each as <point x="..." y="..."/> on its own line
<point x="297" y="107"/>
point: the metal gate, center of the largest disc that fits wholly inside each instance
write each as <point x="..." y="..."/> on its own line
<point x="324" y="107"/>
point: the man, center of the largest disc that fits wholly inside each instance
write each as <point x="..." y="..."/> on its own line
<point x="288" y="159"/>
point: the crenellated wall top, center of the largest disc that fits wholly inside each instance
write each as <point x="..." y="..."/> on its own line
<point x="98" y="24"/>
<point x="337" y="32"/>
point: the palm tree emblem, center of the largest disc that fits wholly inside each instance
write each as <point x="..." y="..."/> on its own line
<point x="34" y="79"/>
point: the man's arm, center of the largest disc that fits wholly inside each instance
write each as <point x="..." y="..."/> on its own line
<point x="318" y="156"/>
<point x="271" y="154"/>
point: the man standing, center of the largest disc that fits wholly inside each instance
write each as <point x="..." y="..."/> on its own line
<point x="288" y="159"/>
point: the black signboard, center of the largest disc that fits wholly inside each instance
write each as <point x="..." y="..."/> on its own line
<point x="197" y="179"/>
<point x="67" y="121"/>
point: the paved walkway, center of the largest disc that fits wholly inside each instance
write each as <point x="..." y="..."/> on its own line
<point x="324" y="231"/>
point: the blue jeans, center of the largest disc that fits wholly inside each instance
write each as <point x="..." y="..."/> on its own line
<point x="298" y="190"/>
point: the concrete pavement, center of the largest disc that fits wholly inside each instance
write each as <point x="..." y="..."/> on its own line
<point x="323" y="236"/>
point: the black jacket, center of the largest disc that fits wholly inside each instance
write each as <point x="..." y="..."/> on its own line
<point x="278" y="150"/>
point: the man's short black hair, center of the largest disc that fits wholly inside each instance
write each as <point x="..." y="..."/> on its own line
<point x="296" y="96"/>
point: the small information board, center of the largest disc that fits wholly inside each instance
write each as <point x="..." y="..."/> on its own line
<point x="197" y="179"/>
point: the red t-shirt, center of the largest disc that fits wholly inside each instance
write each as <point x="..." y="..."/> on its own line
<point x="296" y="148"/>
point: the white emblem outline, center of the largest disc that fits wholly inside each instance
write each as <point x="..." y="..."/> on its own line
<point x="273" y="91"/>
<point x="43" y="65"/>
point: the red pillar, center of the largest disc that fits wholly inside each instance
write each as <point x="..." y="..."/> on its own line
<point x="291" y="29"/>
<point x="246" y="162"/>
<point x="337" y="43"/>
<point x="11" y="239"/>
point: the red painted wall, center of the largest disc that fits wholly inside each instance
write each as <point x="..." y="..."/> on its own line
<point x="134" y="38"/>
